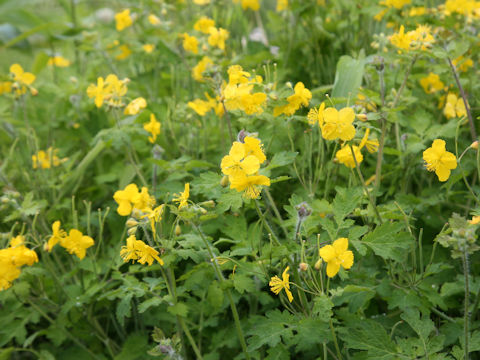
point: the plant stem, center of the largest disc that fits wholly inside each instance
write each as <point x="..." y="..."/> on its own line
<point x="466" y="316"/>
<point x="220" y="277"/>
<point x="473" y="132"/>
<point x="337" y="348"/>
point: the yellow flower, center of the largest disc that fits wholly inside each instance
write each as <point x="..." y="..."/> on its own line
<point x="190" y="43"/>
<point x="199" y="69"/>
<point x="12" y="258"/>
<point x="125" y="199"/>
<point x="431" y="83"/>
<point x="371" y="145"/>
<point x="148" y="48"/>
<point x="420" y="38"/>
<point x="337" y="255"/>
<point x="464" y="7"/>
<point x="439" y="160"/>
<point x="397" y="4"/>
<point x="463" y="64"/>
<point x="182" y="198"/>
<point x="316" y="115"/>
<point x="301" y="97"/>
<point x="46" y="159"/>
<point x="135" y="106"/>
<point x="217" y="37"/>
<point x="249" y="4"/>
<point x="249" y="184"/>
<point x="77" y="243"/>
<point x="5" y="87"/>
<point x="153" y="127"/>
<point x="58" y="61"/>
<point x="402" y="40"/>
<point x="154" y="216"/>
<point x="9" y="271"/>
<point x="201" y="2"/>
<point x="139" y="251"/>
<point x="22" y="80"/>
<point x="204" y="24"/>
<point x="236" y="75"/>
<point x="123" y="20"/>
<point x="253" y="146"/>
<point x="276" y="285"/>
<point x="57" y="236"/>
<point x="236" y="163"/>
<point x="154" y="20"/>
<point x="417" y="11"/>
<point x="201" y="107"/>
<point x="282" y="5"/>
<point x="98" y="91"/>
<point x="454" y="106"/>
<point x="338" y="124"/>
<point x="125" y="52"/>
<point x="345" y="157"/>
<point x="475" y="220"/>
<point x="110" y="90"/>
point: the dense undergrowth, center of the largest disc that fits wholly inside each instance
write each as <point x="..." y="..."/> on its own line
<point x="250" y="179"/>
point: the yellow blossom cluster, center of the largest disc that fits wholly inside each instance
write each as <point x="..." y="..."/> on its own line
<point x="469" y="8"/>
<point x="301" y="96"/>
<point x="238" y="93"/>
<point x="75" y="242"/>
<point x="431" y="83"/>
<point x="242" y="164"/>
<point x="202" y="107"/>
<point x="109" y="90"/>
<point x="46" y="159"/>
<point x="454" y="107"/>
<point x="205" y="25"/>
<point x="137" y="250"/>
<point x="346" y="154"/>
<point x="200" y="68"/>
<point x="420" y="38"/>
<point x="249" y="4"/>
<point x="131" y="198"/>
<point x="20" y="81"/>
<point x="123" y="20"/>
<point x="12" y="259"/>
<point x="58" y="61"/>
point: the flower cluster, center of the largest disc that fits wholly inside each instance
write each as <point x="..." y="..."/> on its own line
<point x="420" y="38"/>
<point x="110" y="90"/>
<point x="454" y="107"/>
<point x="20" y="81"/>
<point x="238" y="93"/>
<point x="242" y="164"/>
<point x="202" y="107"/>
<point x="46" y="159"/>
<point x="301" y="96"/>
<point x="205" y="26"/>
<point x="12" y="259"/>
<point x="137" y="250"/>
<point x="75" y="242"/>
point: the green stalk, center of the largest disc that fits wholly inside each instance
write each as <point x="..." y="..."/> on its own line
<point x="220" y="277"/>
<point x="466" y="316"/>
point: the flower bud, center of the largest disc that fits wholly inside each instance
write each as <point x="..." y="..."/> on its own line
<point x="178" y="230"/>
<point x="318" y="264"/>
<point x="241" y="135"/>
<point x="224" y="182"/>
<point x="474" y="145"/>
<point x="303" y="266"/>
<point x="131" y="222"/>
<point x="209" y="204"/>
<point x="303" y="210"/>
<point x="132" y="230"/>
<point x="362" y="117"/>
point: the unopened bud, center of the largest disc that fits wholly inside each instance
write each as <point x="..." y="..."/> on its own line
<point x="241" y="135"/>
<point x="136" y="213"/>
<point x="209" y="204"/>
<point x="303" y="210"/>
<point x="318" y="264"/>
<point x="132" y="231"/>
<point x="474" y="145"/>
<point x="34" y="91"/>
<point x="224" y="182"/>
<point x="303" y="266"/>
<point x="178" y="230"/>
<point x="131" y="222"/>
<point x="202" y="210"/>
<point x="362" y="117"/>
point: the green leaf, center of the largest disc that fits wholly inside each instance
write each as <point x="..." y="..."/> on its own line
<point x="145" y="305"/>
<point x="348" y="76"/>
<point x="322" y="307"/>
<point x="389" y="241"/>
<point x="345" y="202"/>
<point x="270" y="329"/>
<point x="133" y="347"/>
<point x="230" y="200"/>
<point x="215" y="295"/>
<point x="310" y="332"/>
<point x="422" y="326"/>
<point x="369" y="336"/>
<point x="278" y="352"/>
<point x="124" y="309"/>
<point x="281" y="159"/>
<point x="179" y="308"/>
<point x="355" y="296"/>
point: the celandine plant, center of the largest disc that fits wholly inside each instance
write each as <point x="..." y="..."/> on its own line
<point x="250" y="179"/>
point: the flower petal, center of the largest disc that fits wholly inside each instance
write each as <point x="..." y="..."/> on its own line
<point x="327" y="253"/>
